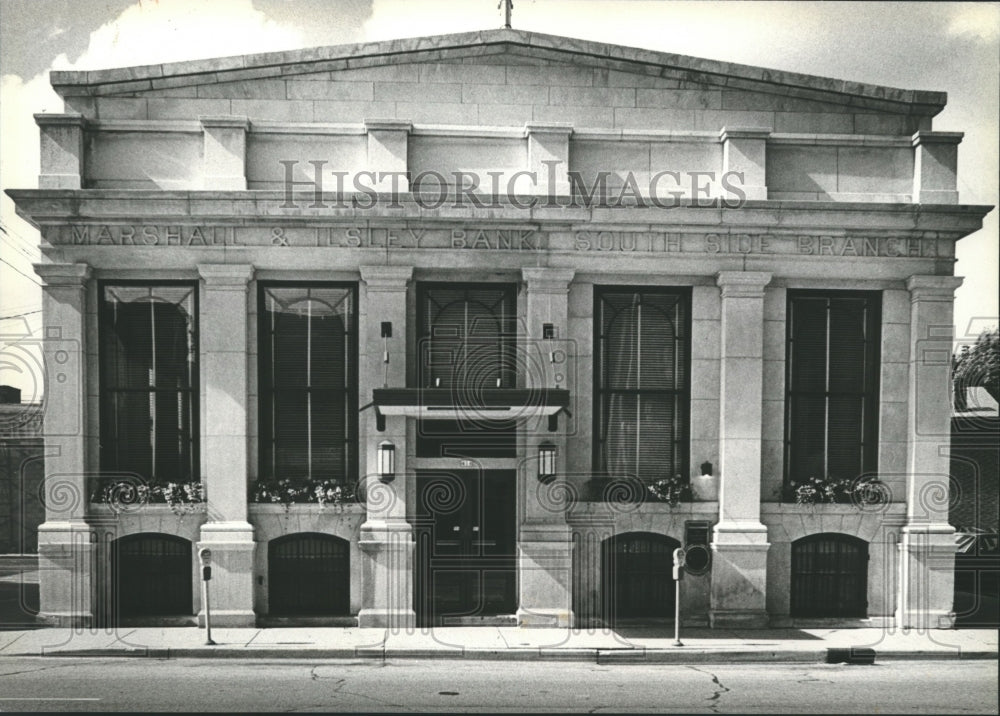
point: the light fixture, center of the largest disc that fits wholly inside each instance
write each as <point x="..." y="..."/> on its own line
<point x="386" y="335"/>
<point x="706" y="469"/>
<point x="546" y="462"/>
<point x="386" y="461"/>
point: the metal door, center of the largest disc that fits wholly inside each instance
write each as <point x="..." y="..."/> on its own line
<point x="829" y="576"/>
<point x="151" y="575"/>
<point x="636" y="573"/>
<point x="308" y="574"/>
<point x="466" y="545"/>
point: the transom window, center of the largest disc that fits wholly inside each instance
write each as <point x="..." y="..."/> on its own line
<point x="642" y="383"/>
<point x="308" y="381"/>
<point x="467" y="334"/>
<point x="831" y="429"/>
<point x="467" y="342"/>
<point x="149" y="380"/>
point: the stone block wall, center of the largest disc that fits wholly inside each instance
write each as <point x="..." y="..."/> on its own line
<point x="498" y="90"/>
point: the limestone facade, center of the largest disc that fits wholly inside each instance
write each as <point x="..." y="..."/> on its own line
<point x="238" y="174"/>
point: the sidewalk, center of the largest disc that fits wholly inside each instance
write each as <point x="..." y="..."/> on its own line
<point x="627" y="645"/>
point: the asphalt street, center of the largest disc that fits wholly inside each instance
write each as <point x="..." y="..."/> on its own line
<point x="142" y="684"/>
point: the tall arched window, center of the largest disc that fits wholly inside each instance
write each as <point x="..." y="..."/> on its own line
<point x="309" y="574"/>
<point x="642" y="383"/>
<point x="832" y="385"/>
<point x="149" y="380"/>
<point x="636" y="576"/>
<point x="829" y="576"/>
<point x="308" y="382"/>
<point x="151" y="575"/>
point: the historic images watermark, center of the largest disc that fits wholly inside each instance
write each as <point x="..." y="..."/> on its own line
<point x="522" y="189"/>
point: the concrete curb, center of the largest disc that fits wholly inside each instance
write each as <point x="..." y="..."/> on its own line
<point x="680" y="655"/>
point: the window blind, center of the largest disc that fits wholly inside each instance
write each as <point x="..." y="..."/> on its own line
<point x="308" y="383"/>
<point x="832" y="384"/>
<point x="149" y="368"/>
<point x="642" y="385"/>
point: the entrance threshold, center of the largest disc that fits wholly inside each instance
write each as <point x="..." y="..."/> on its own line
<point x="496" y="620"/>
<point x="307" y="621"/>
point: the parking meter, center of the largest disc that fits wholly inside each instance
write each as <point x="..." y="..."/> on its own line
<point x="678" y="576"/>
<point x="678" y="564"/>
<point x="205" y="555"/>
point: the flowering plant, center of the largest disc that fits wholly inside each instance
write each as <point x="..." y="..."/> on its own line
<point x="287" y="491"/>
<point x="122" y="494"/>
<point x="670" y="490"/>
<point x="815" y="490"/>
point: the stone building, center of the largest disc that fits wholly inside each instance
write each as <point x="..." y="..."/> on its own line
<point x="21" y="509"/>
<point x="683" y="297"/>
<point x="21" y="473"/>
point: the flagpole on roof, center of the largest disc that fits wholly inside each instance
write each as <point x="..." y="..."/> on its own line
<point x="508" y="5"/>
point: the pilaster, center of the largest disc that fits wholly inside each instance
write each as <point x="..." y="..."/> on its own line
<point x="545" y="543"/>
<point x="927" y="547"/>
<point x="739" y="566"/>
<point x="61" y="151"/>
<point x="225" y="152"/>
<point x="388" y="141"/>
<point x="744" y="151"/>
<point x="65" y="551"/>
<point x="548" y="156"/>
<point x="386" y="537"/>
<point x="935" y="167"/>
<point x="222" y="332"/>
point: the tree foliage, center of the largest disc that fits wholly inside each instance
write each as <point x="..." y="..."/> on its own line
<point x="979" y="365"/>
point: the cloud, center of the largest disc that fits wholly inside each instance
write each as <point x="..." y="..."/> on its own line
<point x="173" y="30"/>
<point x="145" y="33"/>
<point x="976" y="22"/>
<point x="403" y="18"/>
<point x="19" y="169"/>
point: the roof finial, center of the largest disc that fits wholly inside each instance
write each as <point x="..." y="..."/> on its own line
<point x="508" y="5"/>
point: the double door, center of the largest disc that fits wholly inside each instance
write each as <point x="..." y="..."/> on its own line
<point x="466" y="527"/>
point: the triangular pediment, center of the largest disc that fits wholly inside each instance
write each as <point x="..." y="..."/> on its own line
<point x="544" y="59"/>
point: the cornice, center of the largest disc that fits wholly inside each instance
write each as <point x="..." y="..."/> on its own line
<point x="53" y="207"/>
<point x="487" y="42"/>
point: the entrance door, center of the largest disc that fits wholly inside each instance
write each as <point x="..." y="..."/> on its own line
<point x="466" y="536"/>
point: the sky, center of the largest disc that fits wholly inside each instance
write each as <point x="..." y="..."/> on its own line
<point x="940" y="46"/>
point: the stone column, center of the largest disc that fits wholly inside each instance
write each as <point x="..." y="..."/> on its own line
<point x="386" y="537"/>
<point x="548" y="156"/>
<point x="61" y="151"/>
<point x="927" y="547"/>
<point x="739" y="566"/>
<point x="222" y="334"/>
<point x="388" y="141"/>
<point x="225" y="153"/>
<point x="744" y="151"/>
<point x="545" y="541"/>
<point x="65" y="549"/>
<point x="935" y="167"/>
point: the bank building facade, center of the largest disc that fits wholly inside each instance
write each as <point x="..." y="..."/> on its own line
<point x="480" y="328"/>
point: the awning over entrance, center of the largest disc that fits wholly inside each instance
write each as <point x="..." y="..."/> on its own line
<point x="469" y="404"/>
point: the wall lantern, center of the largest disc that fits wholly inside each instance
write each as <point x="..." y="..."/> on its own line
<point x="706" y="469"/>
<point x="546" y="462"/>
<point x="386" y="335"/>
<point x="386" y="461"/>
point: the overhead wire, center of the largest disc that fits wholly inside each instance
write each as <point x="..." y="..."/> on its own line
<point x="20" y="271"/>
